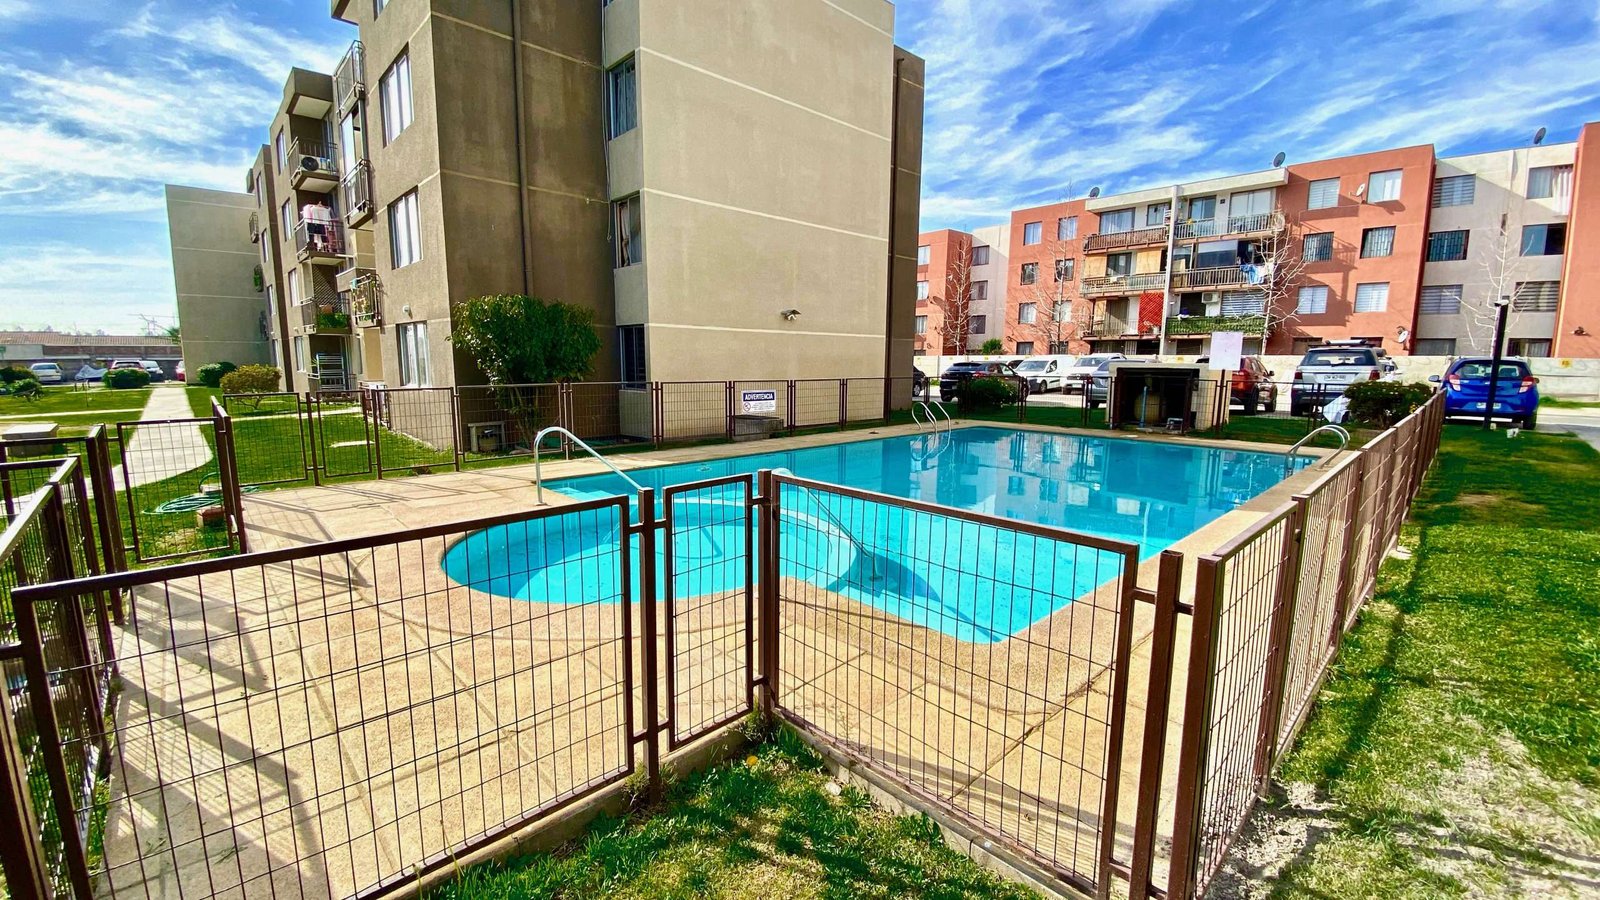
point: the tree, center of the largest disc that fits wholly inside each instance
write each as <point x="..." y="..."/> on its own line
<point x="1503" y="267"/>
<point x="955" y="304"/>
<point x="520" y="342"/>
<point x="1053" y="320"/>
<point x="992" y="347"/>
<point x="1280" y="259"/>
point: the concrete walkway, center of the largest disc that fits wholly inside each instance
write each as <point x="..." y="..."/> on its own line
<point x="158" y="452"/>
<point x="1585" y="423"/>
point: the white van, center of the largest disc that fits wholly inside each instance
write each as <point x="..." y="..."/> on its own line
<point x="1044" y="373"/>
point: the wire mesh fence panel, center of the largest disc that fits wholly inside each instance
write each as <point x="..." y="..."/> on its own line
<point x="19" y="482"/>
<point x="92" y="449"/>
<point x="419" y="433"/>
<point x="340" y="719"/>
<point x="760" y="407"/>
<point x="499" y="422"/>
<point x="692" y="410"/>
<point x="344" y="432"/>
<point x="978" y="662"/>
<point x="609" y="413"/>
<point x="271" y="431"/>
<point x="172" y="489"/>
<point x="708" y="566"/>
<point x="816" y="402"/>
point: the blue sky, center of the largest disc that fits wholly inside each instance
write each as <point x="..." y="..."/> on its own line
<point x="103" y="101"/>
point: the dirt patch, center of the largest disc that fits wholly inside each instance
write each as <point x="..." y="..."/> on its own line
<point x="1499" y="503"/>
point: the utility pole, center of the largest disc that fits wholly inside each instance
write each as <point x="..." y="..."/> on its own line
<point x="1502" y="306"/>
<point x="1166" y="287"/>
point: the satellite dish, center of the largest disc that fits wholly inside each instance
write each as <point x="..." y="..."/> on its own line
<point x="1278" y="160"/>
<point x="1094" y="192"/>
<point x="1538" y="136"/>
<point x="1361" y="191"/>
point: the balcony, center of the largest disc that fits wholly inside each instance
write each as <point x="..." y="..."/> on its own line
<point x="1226" y="226"/>
<point x="258" y="279"/>
<point x="321" y="243"/>
<point x="355" y="194"/>
<point x="1121" y="285"/>
<point x="1218" y="278"/>
<point x="313" y="166"/>
<point x="1119" y="240"/>
<point x="1105" y="328"/>
<point x="255" y="227"/>
<point x="1178" y="326"/>
<point x="349" y="79"/>
<point x="328" y="316"/>
<point x="366" y="299"/>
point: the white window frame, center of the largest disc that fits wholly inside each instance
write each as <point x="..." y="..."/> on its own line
<point x="1032" y="233"/>
<point x="1371" y="297"/>
<point x="1115" y="216"/>
<point x="1028" y="314"/>
<point x="922" y="290"/>
<point x="1318" y="195"/>
<point x="414" y="357"/>
<point x="1066" y="228"/>
<point x="298" y="348"/>
<point x="1384" y="186"/>
<point x="395" y="98"/>
<point x="921" y="325"/>
<point x="924" y="254"/>
<point x="280" y="147"/>
<point x="405" y="230"/>
<point x="286" y="219"/>
<point x="292" y="281"/>
<point x="1312" y="301"/>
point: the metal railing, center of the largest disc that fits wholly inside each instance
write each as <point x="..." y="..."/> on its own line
<point x="538" y="470"/>
<point x="349" y="78"/>
<point x="1344" y="441"/>
<point x="366" y="298"/>
<point x="255" y="227"/>
<point x="1222" y="226"/>
<point x="1114" y="285"/>
<point x="322" y="240"/>
<point x="1138" y="237"/>
<point x="313" y="161"/>
<point x="355" y="192"/>
<point x="326" y="316"/>
<point x="1211" y="276"/>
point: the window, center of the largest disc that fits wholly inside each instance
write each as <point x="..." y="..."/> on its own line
<point x="1024" y="348"/>
<point x="1119" y="264"/>
<point x="1318" y="247"/>
<point x="1202" y="209"/>
<point x="1455" y="190"/>
<point x="1377" y="242"/>
<point x="1030" y="272"/>
<point x="293" y="285"/>
<point x="1156" y="214"/>
<point x="924" y="253"/>
<point x="1032" y="233"/>
<point x="979" y="291"/>
<point x="978" y="325"/>
<point x="1216" y="254"/>
<point x="1064" y="269"/>
<point x="1544" y="240"/>
<point x="980" y="256"/>
<point x="1372" y="297"/>
<point x="282" y="151"/>
<point x="377" y="7"/>
<point x="394" y="90"/>
<point x="1384" y="186"/>
<point x="1530" y="348"/>
<point x="630" y="340"/>
<point x="1313" y="300"/>
<point x="1536" y="296"/>
<point x="405" y="232"/>
<point x="1551" y="183"/>
<point x="1324" y="193"/>
<point x="1028" y="313"/>
<point x="286" y="220"/>
<point x="922" y="324"/>
<point x="1116" y="221"/>
<point x="413" y="338"/>
<point x="1439" y="299"/>
<point x="922" y="290"/>
<point x="349" y="146"/>
<point x="261" y="194"/>
<point x="298" y="347"/>
<point x="1066" y="228"/>
<point x="629" y="224"/>
<point x="1447" y="246"/>
<point x="621" y="99"/>
<point x="1434" y="347"/>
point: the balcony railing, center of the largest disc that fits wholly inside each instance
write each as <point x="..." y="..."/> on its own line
<point x="329" y="316"/>
<point x="349" y="78"/>
<point x="1117" y="285"/>
<point x="313" y="165"/>
<point x="1116" y="240"/>
<point x="320" y="241"/>
<point x="1183" y="325"/>
<point x="1223" y="226"/>
<point x="255" y="227"/>
<point x="1218" y="277"/>
<point x="1105" y="328"/>
<point x="355" y="193"/>
<point x="366" y="299"/>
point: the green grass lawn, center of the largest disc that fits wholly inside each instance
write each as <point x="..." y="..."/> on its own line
<point x="1555" y="403"/>
<point x="1455" y="749"/>
<point x="762" y="827"/>
<point x="82" y="405"/>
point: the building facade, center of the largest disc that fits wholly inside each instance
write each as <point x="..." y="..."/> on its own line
<point x="961" y="289"/>
<point x="218" y="278"/>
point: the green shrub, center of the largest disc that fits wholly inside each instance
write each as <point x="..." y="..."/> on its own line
<point x="1384" y="403"/>
<point x="251" y="380"/>
<point x="987" y="393"/>
<point x="992" y="347"/>
<point x="26" y="388"/>
<point x="12" y="374"/>
<point x="127" y="378"/>
<point x="210" y="375"/>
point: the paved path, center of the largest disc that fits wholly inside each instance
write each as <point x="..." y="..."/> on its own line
<point x="158" y="452"/>
<point x="1585" y="423"/>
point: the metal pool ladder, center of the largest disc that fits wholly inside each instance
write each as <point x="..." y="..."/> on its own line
<point x="538" y="475"/>
<point x="1344" y="441"/>
<point x="932" y="424"/>
<point x="861" y="549"/>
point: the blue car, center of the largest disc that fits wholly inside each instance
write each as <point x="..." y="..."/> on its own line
<point x="1466" y="389"/>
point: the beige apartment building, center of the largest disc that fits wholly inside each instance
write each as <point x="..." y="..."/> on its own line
<point x="219" y="281"/>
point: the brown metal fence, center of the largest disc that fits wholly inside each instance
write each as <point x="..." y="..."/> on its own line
<point x="180" y="487"/>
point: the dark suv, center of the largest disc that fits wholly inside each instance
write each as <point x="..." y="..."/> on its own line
<point x="951" y="381"/>
<point x="1252" y="386"/>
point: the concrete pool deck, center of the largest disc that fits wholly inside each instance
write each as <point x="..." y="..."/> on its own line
<point x="361" y="713"/>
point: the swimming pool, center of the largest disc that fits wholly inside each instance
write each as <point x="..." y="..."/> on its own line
<point x="976" y="583"/>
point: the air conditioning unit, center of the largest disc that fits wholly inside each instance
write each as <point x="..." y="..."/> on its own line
<point x="316" y="164"/>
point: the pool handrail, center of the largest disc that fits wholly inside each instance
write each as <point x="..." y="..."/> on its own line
<point x="538" y="475"/>
<point x="1344" y="441"/>
<point x="933" y="420"/>
<point x="860" y="548"/>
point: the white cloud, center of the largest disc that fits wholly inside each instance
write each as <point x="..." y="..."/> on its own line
<point x="13" y="9"/>
<point x="75" y="286"/>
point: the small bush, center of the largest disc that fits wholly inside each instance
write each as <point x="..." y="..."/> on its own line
<point x="13" y="374"/>
<point x="127" y="378"/>
<point x="210" y="375"/>
<point x="987" y="393"/>
<point x="251" y="380"/>
<point x="1384" y="403"/>
<point x="992" y="347"/>
<point x="26" y="388"/>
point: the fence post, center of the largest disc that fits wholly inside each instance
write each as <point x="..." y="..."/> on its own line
<point x="1196" y="738"/>
<point x="766" y="505"/>
<point x="789" y="405"/>
<point x="658" y="410"/>
<point x="649" y="634"/>
<point x="844" y="403"/>
<point x="727" y="408"/>
<point x="21" y="856"/>
<point x="455" y="426"/>
<point x="1159" y="698"/>
<point x="97" y="458"/>
<point x="1343" y="595"/>
<point x="1286" y="598"/>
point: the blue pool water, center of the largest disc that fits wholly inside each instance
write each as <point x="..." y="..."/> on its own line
<point x="975" y="582"/>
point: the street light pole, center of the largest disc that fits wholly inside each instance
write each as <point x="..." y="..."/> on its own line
<point x="1502" y="307"/>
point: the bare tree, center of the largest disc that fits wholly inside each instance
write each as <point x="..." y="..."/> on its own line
<point x="1056" y="313"/>
<point x="1503" y="266"/>
<point x="955" y="303"/>
<point x="1280" y="263"/>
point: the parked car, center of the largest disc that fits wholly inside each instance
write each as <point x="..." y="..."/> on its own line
<point x="1044" y="373"/>
<point x="952" y="379"/>
<point x="179" y="374"/>
<point x="46" y="373"/>
<point x="1325" y="372"/>
<point x="1252" y="386"/>
<point x="1082" y="369"/>
<point x="1466" y="389"/>
<point x="1100" y="381"/>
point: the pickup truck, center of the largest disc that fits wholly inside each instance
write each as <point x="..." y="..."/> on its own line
<point x="1324" y="374"/>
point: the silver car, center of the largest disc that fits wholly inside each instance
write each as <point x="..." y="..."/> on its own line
<point x="1100" y="381"/>
<point x="46" y="373"/>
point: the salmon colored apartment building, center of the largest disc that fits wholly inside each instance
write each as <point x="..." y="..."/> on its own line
<point x="1399" y="248"/>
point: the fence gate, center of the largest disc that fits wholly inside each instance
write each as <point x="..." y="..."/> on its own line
<point x="343" y="433"/>
<point x="276" y="428"/>
<point x="178" y="488"/>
